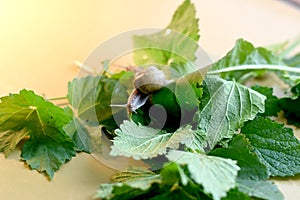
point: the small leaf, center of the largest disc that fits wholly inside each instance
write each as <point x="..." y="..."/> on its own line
<point x="216" y="175"/>
<point x="141" y="142"/>
<point x="291" y="108"/>
<point x="228" y="106"/>
<point x="260" y="189"/>
<point x="276" y="146"/>
<point x="271" y="103"/>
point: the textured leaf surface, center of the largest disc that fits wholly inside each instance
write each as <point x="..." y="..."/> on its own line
<point x="141" y="142"/>
<point x="253" y="173"/>
<point x="276" y="146"/>
<point x="240" y="149"/>
<point x="228" y="106"/>
<point x="48" y="146"/>
<point x="216" y="175"/>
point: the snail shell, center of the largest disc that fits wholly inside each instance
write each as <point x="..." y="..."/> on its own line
<point x="149" y="80"/>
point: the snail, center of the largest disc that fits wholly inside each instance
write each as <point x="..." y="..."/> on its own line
<point x="146" y="82"/>
<point x="149" y="80"/>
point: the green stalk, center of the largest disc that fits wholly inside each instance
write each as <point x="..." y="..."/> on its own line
<point x="255" y="67"/>
<point x="56" y="98"/>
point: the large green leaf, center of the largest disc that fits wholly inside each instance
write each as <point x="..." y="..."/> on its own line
<point x="276" y="146"/>
<point x="216" y="175"/>
<point x="240" y="149"/>
<point x="29" y="114"/>
<point x="46" y="153"/>
<point x="227" y="106"/>
<point x="253" y="173"/>
<point x="92" y="97"/>
<point x="141" y="142"/>
<point x="176" y="43"/>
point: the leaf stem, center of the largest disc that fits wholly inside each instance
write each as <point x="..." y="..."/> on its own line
<point x="255" y="67"/>
<point x="57" y="98"/>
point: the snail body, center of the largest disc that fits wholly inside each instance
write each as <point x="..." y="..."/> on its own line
<point x="146" y="82"/>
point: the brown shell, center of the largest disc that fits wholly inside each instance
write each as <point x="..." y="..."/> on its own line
<point x="149" y="80"/>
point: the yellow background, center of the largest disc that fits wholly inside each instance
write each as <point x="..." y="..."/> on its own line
<point x="39" y="41"/>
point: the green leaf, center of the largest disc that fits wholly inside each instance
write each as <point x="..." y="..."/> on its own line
<point x="84" y="135"/>
<point x="271" y="103"/>
<point x="241" y="54"/>
<point x="166" y="98"/>
<point x="188" y="91"/>
<point x="141" y="142"/>
<point x="296" y="89"/>
<point x="160" y="48"/>
<point x="260" y="189"/>
<point x="228" y="106"/>
<point x="178" y="184"/>
<point x="47" y="153"/>
<point x="143" y="184"/>
<point x="240" y="149"/>
<point x="291" y="106"/>
<point x="276" y="146"/>
<point x="172" y="174"/>
<point x="216" y="175"/>
<point x="48" y="147"/>
<point x="253" y="173"/>
<point x="235" y="194"/>
<point x="128" y="184"/>
<point x="92" y="97"/>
